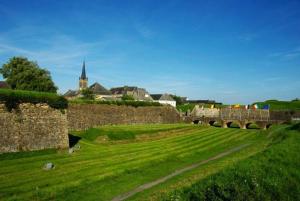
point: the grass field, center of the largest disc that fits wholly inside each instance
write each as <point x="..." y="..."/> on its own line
<point x="102" y="169"/>
<point x="281" y="105"/>
<point x="270" y="175"/>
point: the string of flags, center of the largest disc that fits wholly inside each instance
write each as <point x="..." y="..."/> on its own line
<point x="247" y="107"/>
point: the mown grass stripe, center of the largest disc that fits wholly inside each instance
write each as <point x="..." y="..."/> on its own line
<point x="187" y="146"/>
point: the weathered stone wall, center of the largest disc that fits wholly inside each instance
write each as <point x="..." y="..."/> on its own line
<point x="284" y="115"/>
<point x="242" y="114"/>
<point x="32" y="127"/>
<point x="205" y="112"/>
<point x="83" y="116"/>
<point x="231" y="114"/>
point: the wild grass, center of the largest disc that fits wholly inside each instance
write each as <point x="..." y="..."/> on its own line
<point x="271" y="175"/>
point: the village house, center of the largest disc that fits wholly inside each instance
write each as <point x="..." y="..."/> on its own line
<point x="165" y="99"/>
<point x="116" y="93"/>
<point x="138" y="94"/>
<point x="100" y="92"/>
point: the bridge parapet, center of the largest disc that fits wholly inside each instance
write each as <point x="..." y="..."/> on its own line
<point x="244" y="115"/>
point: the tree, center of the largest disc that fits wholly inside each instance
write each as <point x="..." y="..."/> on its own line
<point x="126" y="97"/>
<point x="178" y="99"/>
<point x="87" y="94"/>
<point x="20" y="73"/>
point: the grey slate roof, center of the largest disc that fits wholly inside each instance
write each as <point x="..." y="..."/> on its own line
<point x="165" y="97"/>
<point x="83" y="74"/>
<point x="71" y="93"/>
<point x="97" y="88"/>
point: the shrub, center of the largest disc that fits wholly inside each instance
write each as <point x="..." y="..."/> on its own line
<point x="12" y="98"/>
<point x="127" y="103"/>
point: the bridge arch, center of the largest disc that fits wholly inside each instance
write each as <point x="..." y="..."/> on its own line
<point x="233" y="124"/>
<point x="212" y="122"/>
<point x="196" y="121"/>
<point x="251" y="125"/>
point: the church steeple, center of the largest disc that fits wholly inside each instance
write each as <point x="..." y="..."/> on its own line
<point x="83" y="75"/>
<point x="83" y="80"/>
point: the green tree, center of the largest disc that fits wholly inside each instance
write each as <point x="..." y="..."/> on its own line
<point x="126" y="97"/>
<point x="178" y="99"/>
<point x="87" y="94"/>
<point x="22" y="74"/>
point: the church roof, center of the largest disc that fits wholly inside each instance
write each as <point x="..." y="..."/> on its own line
<point x="83" y="74"/>
<point x="71" y="93"/>
<point x="97" y="88"/>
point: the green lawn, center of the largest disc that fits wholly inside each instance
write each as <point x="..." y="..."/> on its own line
<point x="102" y="170"/>
<point x="270" y="175"/>
<point x="281" y="105"/>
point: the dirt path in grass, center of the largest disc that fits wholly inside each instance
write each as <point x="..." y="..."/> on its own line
<point x="177" y="172"/>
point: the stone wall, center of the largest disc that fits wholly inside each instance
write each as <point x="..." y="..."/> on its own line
<point x="284" y="115"/>
<point x="32" y="127"/>
<point x="242" y="114"/>
<point x="83" y="116"/>
<point x="205" y="112"/>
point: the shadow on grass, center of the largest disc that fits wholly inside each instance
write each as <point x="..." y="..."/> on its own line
<point x="73" y="140"/>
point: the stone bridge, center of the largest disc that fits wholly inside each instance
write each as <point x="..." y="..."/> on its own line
<point x="225" y="117"/>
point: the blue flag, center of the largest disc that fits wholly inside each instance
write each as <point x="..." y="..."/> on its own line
<point x="266" y="107"/>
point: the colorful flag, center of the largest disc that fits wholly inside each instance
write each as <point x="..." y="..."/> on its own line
<point x="212" y="106"/>
<point x="266" y="107"/>
<point x="255" y="106"/>
<point x="237" y="106"/>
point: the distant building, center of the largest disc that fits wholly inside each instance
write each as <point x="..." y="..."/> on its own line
<point x="204" y="102"/>
<point x="71" y="94"/>
<point x="138" y="94"/>
<point x="83" y="80"/>
<point x="4" y="85"/>
<point x="98" y="90"/>
<point x="165" y="99"/>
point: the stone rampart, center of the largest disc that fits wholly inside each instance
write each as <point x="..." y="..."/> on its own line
<point x="32" y="127"/>
<point x="205" y="112"/>
<point x="83" y="116"/>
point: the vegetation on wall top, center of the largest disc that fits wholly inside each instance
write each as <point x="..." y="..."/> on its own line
<point x="127" y="102"/>
<point x="12" y="98"/>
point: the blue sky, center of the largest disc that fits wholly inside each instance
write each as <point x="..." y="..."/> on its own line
<point x="230" y="51"/>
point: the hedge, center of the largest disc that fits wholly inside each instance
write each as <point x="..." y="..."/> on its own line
<point x="12" y="98"/>
<point x="127" y="103"/>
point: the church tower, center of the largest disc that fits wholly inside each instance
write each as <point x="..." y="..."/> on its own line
<point x="83" y="80"/>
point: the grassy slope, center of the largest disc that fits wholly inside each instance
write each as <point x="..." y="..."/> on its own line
<point x="270" y="175"/>
<point x="102" y="171"/>
<point x="281" y="105"/>
<point x="124" y="132"/>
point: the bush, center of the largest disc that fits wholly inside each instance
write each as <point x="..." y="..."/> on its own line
<point x="12" y="98"/>
<point x="127" y="103"/>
